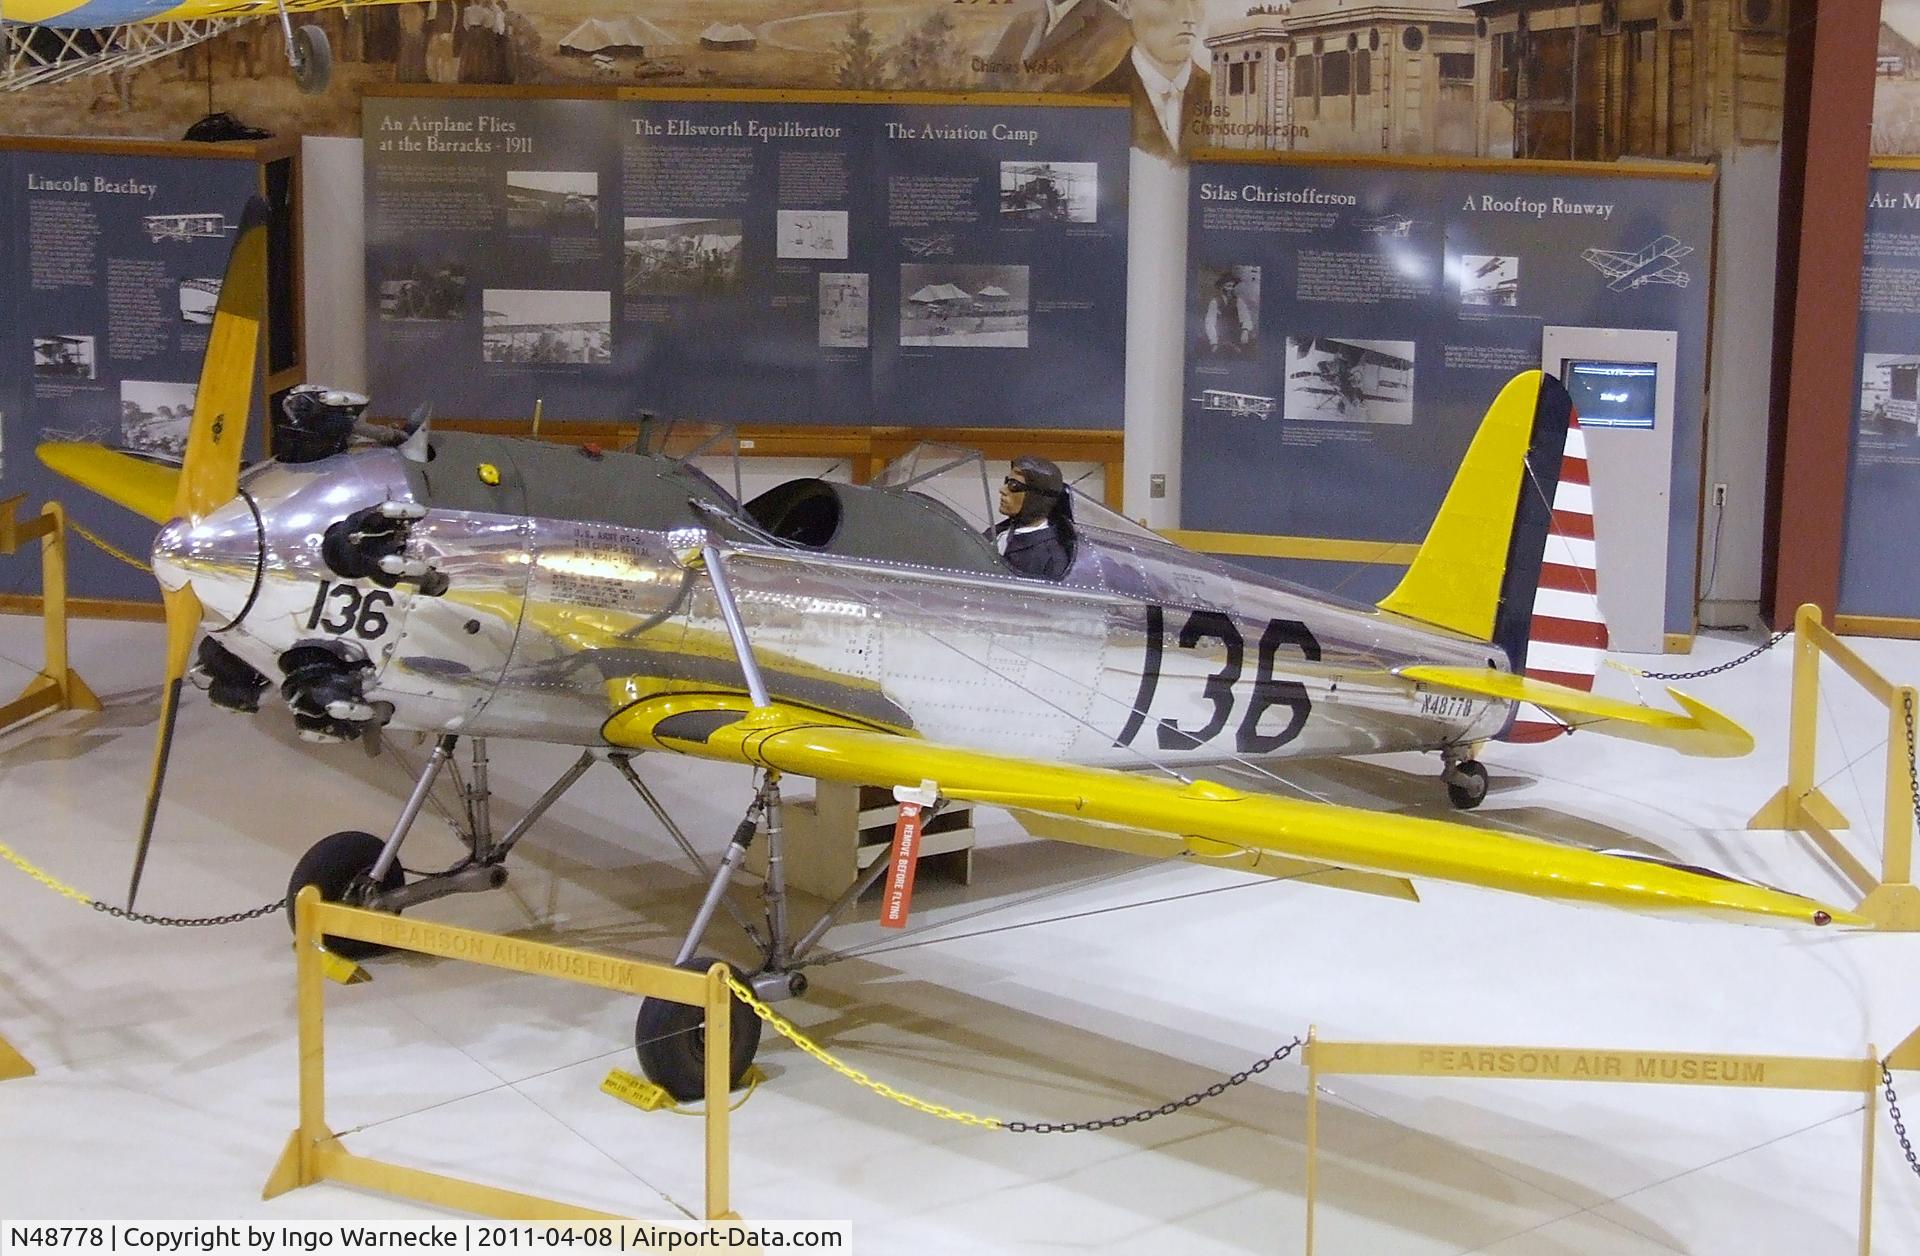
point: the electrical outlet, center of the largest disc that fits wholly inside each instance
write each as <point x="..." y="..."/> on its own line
<point x="1719" y="495"/>
<point x="1156" y="486"/>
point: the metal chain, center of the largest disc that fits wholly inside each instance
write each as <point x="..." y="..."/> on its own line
<point x="1913" y="771"/>
<point x="1886" y="1074"/>
<point x="108" y="547"/>
<point x="786" y="1029"/>
<point x="191" y="922"/>
<point x="1749" y="656"/>
<point x="1899" y="1127"/>
<point x="11" y="856"/>
<point x="1166" y="1109"/>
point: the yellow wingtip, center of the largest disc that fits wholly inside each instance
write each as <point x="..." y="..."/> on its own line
<point x="148" y="489"/>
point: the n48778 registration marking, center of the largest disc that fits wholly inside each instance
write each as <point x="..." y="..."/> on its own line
<point x="1446" y="705"/>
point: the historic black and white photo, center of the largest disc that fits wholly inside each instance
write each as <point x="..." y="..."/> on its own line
<point x="1492" y="281"/>
<point x="64" y="356"/>
<point x="546" y="328"/>
<point x="1050" y="191"/>
<point x="669" y="256"/>
<point x="424" y="291"/>
<point x="553" y="200"/>
<point x="1349" y="381"/>
<point x="816" y="233"/>
<point x="843" y="310"/>
<point x="155" y="415"/>
<point x="198" y="299"/>
<point x="1229" y="299"/>
<point x="963" y="306"/>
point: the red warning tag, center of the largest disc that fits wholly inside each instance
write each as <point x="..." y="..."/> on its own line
<point x="905" y="856"/>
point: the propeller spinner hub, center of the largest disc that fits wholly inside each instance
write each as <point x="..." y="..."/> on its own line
<point x="219" y="556"/>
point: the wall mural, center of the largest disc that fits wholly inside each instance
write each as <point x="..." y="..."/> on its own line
<point x="1589" y="79"/>
<point x="1896" y="93"/>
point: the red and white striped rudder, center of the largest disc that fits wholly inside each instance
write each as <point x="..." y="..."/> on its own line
<point x="1567" y="640"/>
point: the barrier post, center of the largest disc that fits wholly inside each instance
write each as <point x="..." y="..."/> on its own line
<point x="1895" y="902"/>
<point x="1801" y="798"/>
<point x="299" y="1163"/>
<point x="1872" y="1116"/>
<point x="316" y="1154"/>
<point x="719" y="1051"/>
<point x="1313" y="1129"/>
<point x="58" y="687"/>
<point x="1890" y="899"/>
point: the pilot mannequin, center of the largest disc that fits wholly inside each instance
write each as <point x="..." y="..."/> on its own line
<point x="1036" y="537"/>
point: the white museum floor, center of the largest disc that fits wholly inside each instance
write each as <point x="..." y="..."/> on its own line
<point x="1063" y="984"/>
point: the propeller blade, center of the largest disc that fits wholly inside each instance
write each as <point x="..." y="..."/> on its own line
<point x="218" y="432"/>
<point x="183" y="625"/>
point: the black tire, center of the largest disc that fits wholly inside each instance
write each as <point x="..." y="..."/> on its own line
<point x="312" y="56"/>
<point x="671" y="1041"/>
<point x="1470" y="793"/>
<point x="333" y="863"/>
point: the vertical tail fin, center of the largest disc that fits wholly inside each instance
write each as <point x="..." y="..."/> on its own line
<point x="1509" y="558"/>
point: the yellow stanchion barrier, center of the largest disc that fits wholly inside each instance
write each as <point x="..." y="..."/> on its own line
<point x="1890" y="900"/>
<point x="58" y="687"/>
<point x="314" y="1153"/>
<point x="1578" y="1064"/>
<point x="12" y="1063"/>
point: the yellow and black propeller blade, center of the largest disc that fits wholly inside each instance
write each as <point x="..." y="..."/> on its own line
<point x="215" y="438"/>
<point x="210" y="476"/>
<point x="183" y="625"/>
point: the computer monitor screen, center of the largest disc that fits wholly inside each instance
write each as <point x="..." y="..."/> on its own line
<point x="1613" y="394"/>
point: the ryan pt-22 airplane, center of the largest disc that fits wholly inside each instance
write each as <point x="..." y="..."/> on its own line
<point x="475" y="586"/>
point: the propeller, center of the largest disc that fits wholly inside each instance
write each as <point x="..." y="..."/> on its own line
<point x="210" y="476"/>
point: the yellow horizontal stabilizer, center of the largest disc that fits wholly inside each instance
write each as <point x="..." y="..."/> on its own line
<point x="1206" y="850"/>
<point x="1209" y="818"/>
<point x="1697" y="729"/>
<point x="146" y="488"/>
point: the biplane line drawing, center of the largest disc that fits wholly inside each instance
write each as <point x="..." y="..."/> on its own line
<point x="1222" y="400"/>
<point x="186" y="227"/>
<point x="1658" y="262"/>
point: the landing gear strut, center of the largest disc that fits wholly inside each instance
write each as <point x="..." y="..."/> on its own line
<point x="365" y="871"/>
<point x="1465" y="779"/>
<point x="672" y="1051"/>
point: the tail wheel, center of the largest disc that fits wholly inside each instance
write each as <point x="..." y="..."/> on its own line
<point x="671" y="1040"/>
<point x="312" y="57"/>
<point x="1467" y="785"/>
<point x="334" y="864"/>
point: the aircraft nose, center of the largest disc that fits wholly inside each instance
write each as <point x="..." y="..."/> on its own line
<point x="219" y="556"/>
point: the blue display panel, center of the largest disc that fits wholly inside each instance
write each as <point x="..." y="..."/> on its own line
<point x="1348" y="325"/>
<point x="826" y="260"/>
<point x="111" y="261"/>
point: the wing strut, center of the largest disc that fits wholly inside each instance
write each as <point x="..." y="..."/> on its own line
<point x="715" y="564"/>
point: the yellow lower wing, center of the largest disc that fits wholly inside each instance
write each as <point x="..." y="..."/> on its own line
<point x="1212" y="820"/>
<point x="146" y="488"/>
<point x="1696" y="729"/>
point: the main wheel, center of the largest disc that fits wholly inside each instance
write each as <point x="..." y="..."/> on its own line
<point x="671" y="1040"/>
<point x="312" y="56"/>
<point x="1468" y="787"/>
<point x="334" y="863"/>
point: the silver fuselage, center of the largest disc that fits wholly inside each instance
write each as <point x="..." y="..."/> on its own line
<point x="1146" y="653"/>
